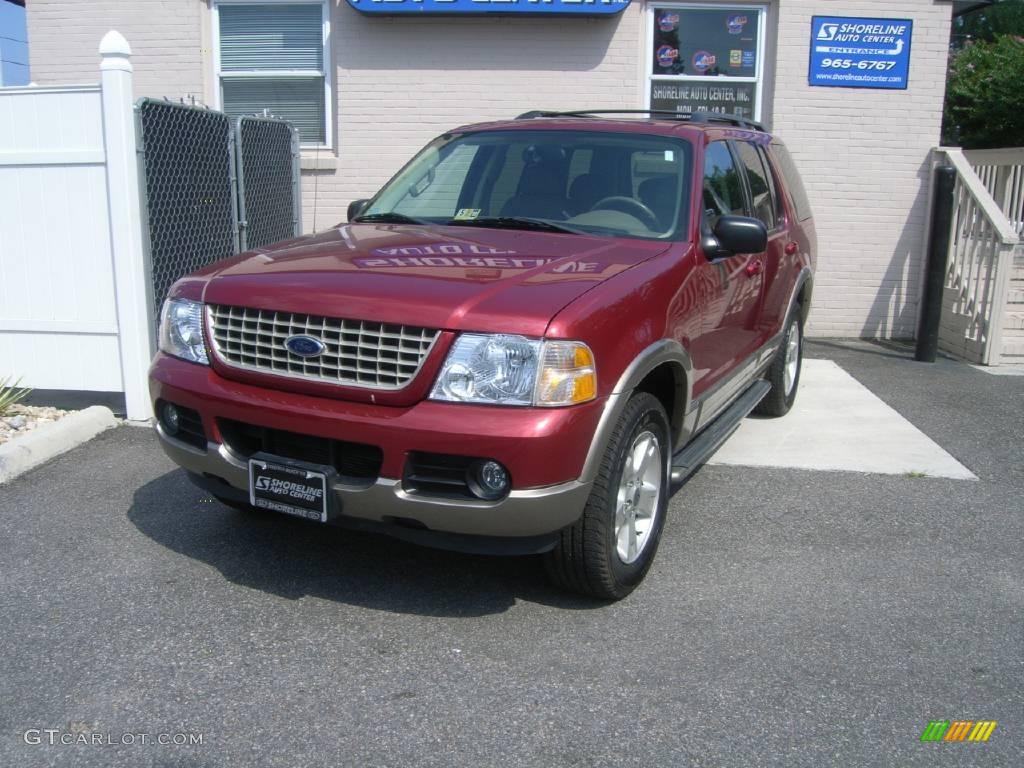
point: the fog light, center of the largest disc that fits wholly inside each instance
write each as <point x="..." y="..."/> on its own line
<point x="488" y="479"/>
<point x="171" y="419"/>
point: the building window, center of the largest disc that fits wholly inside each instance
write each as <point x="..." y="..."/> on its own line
<point x="706" y="58"/>
<point x="274" y="57"/>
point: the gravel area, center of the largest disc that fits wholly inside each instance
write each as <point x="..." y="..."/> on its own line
<point x="20" y="419"/>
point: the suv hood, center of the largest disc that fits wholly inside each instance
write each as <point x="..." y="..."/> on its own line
<point x="454" y="278"/>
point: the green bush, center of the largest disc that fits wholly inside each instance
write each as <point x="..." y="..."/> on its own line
<point x="985" y="95"/>
<point x="10" y="394"/>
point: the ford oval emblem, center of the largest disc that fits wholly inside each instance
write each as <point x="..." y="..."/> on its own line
<point x="304" y="346"/>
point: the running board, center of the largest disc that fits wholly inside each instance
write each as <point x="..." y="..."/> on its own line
<point x="702" y="447"/>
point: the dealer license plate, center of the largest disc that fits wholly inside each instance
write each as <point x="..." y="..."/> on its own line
<point x="293" y="490"/>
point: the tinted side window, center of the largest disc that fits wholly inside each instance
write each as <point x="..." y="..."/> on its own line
<point x="773" y="184"/>
<point x="760" y="183"/>
<point x="793" y="181"/>
<point x="723" y="187"/>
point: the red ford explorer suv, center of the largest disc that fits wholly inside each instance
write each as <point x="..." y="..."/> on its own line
<point x="532" y="333"/>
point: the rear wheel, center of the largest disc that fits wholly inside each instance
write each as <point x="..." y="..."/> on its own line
<point x="784" y="373"/>
<point x="608" y="551"/>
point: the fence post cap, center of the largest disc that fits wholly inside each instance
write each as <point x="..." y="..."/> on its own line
<point x="114" y="46"/>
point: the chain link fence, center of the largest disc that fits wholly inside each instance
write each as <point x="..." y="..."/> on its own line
<point x="196" y="210"/>
<point x="270" y="206"/>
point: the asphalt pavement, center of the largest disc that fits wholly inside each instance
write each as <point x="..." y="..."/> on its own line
<point x="792" y="618"/>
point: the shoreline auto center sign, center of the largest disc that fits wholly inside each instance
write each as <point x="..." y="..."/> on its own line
<point x="860" y="53"/>
<point x="465" y="7"/>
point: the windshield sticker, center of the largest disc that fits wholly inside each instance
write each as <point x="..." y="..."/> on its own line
<point x="467" y="214"/>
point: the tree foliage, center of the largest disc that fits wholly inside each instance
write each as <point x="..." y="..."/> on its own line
<point x="988" y="23"/>
<point x="985" y="95"/>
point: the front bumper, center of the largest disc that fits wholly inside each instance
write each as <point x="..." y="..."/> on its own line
<point x="543" y="449"/>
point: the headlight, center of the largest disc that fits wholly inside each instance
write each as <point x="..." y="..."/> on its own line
<point x="181" y="330"/>
<point x="514" y="370"/>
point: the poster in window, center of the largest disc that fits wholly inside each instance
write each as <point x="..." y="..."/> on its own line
<point x="706" y="42"/>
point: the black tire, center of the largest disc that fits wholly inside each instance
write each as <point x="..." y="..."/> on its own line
<point x="586" y="558"/>
<point x="779" y="400"/>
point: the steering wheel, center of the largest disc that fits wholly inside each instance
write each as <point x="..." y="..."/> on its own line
<point x="632" y="207"/>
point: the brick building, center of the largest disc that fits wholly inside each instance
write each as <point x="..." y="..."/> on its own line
<point x="369" y="87"/>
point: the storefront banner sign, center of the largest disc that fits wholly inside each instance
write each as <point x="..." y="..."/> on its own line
<point x="860" y="53"/>
<point x="465" y="7"/>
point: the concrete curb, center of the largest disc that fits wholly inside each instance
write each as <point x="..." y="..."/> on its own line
<point x="43" y="443"/>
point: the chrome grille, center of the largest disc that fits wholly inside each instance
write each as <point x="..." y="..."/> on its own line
<point x="357" y="353"/>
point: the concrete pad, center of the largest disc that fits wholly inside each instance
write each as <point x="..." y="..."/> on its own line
<point x="44" y="442"/>
<point x="838" y="424"/>
<point x="1000" y="370"/>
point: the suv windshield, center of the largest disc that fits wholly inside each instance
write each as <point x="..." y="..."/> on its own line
<point x="597" y="183"/>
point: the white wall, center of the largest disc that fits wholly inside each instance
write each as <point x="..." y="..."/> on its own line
<point x="165" y="37"/>
<point x="864" y="155"/>
<point x="58" y="319"/>
<point x="401" y="81"/>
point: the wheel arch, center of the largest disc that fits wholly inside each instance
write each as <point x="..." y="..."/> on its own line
<point x="663" y="369"/>
<point x="802" y="290"/>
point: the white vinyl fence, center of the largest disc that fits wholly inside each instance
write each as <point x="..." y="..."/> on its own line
<point x="73" y="287"/>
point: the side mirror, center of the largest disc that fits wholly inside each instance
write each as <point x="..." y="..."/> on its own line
<point x="356" y="207"/>
<point x="736" y="234"/>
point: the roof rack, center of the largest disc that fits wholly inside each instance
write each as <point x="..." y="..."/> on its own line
<point x="695" y="117"/>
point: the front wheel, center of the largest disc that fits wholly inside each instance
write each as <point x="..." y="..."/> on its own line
<point x="784" y="372"/>
<point x="607" y="552"/>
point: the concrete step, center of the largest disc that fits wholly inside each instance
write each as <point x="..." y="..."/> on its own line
<point x="1013" y="347"/>
<point x="1014" y="320"/>
<point x="1015" y="295"/>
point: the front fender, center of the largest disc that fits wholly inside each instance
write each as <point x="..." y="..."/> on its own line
<point x="665" y="352"/>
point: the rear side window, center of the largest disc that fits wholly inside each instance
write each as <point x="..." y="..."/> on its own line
<point x="793" y="181"/>
<point x="760" y="181"/>
<point x="723" y="186"/>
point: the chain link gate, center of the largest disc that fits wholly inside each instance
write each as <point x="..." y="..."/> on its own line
<point x="189" y="185"/>
<point x="196" y="211"/>
<point x="269" y="193"/>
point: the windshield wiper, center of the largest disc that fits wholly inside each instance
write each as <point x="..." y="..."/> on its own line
<point x="391" y="217"/>
<point x="515" y="222"/>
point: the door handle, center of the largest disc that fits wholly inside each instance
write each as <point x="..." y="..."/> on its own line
<point x="791" y="249"/>
<point x="755" y="268"/>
